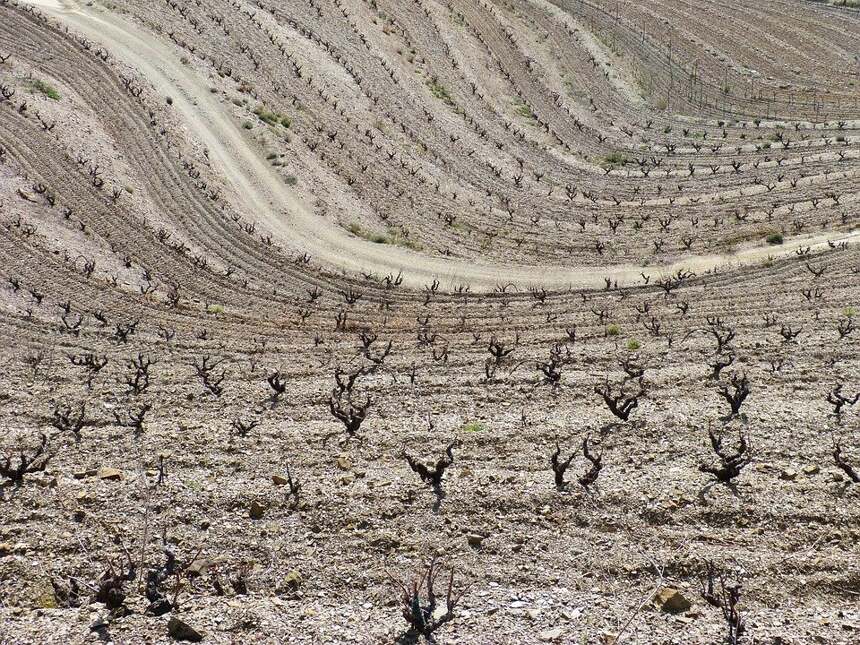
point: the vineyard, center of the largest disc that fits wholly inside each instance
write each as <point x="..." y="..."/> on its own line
<point x="455" y="321"/>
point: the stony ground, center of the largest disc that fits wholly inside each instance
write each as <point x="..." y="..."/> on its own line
<point x="175" y="359"/>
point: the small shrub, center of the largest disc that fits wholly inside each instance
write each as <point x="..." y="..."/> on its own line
<point x="524" y="111"/>
<point x="633" y="344"/>
<point x="47" y="89"/>
<point x="612" y="330"/>
<point x="440" y="92"/>
<point x="393" y="236"/>
<point x="474" y="426"/>
<point x="616" y="158"/>
<point x="272" y="118"/>
<point x="774" y="238"/>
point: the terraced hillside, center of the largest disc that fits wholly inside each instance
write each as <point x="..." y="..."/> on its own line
<point x="298" y="295"/>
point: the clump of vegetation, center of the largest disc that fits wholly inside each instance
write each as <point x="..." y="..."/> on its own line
<point x="633" y="344"/>
<point x="46" y="88"/>
<point x="396" y="238"/>
<point x="524" y="111"/>
<point x="392" y="236"/>
<point x="774" y="238"/>
<point x="356" y="229"/>
<point x="615" y="159"/>
<point x="474" y="426"/>
<point x="272" y="118"/>
<point x="440" y="91"/>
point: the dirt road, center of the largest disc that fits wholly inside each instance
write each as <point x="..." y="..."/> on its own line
<point x="264" y="196"/>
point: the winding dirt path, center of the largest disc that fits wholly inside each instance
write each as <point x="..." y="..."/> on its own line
<point x="266" y="198"/>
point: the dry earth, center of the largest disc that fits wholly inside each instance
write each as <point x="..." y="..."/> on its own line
<point x="447" y="222"/>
